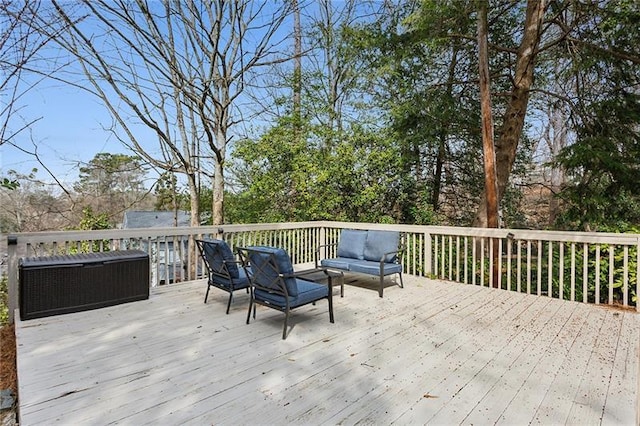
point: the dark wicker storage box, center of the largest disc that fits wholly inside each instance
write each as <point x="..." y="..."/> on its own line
<point x="63" y="284"/>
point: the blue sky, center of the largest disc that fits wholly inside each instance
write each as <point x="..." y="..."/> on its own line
<point x="68" y="132"/>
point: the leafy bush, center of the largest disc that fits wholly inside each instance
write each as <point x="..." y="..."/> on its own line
<point x="4" y="300"/>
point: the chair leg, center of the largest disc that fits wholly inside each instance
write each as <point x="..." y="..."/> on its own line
<point x="229" y="302"/>
<point x="286" y="320"/>
<point x="330" y="307"/>
<point x="401" y="284"/>
<point x="381" y="285"/>
<point x="207" y="294"/>
<point x="249" y="312"/>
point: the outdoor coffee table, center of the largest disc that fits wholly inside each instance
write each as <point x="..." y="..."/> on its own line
<point x="321" y="275"/>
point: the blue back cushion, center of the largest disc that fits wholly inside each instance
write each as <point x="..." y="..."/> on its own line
<point x="217" y="251"/>
<point x="267" y="262"/>
<point x="380" y="242"/>
<point x="352" y="243"/>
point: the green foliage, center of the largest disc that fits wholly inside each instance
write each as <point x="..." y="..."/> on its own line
<point x="112" y="183"/>
<point x="92" y="221"/>
<point x="604" y="166"/>
<point x="111" y="174"/>
<point x="4" y="300"/>
<point x="290" y="174"/>
<point x="166" y="192"/>
<point x="10" y="184"/>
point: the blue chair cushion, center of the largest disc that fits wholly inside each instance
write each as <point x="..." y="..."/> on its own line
<point x="242" y="281"/>
<point x="373" y="268"/>
<point x="307" y="292"/>
<point x="218" y="251"/>
<point x="380" y="242"/>
<point x="351" y="243"/>
<point x="265" y="273"/>
<point x="338" y="263"/>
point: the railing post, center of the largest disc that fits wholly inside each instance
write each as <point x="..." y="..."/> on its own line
<point x="322" y="242"/>
<point x="12" y="275"/>
<point x="427" y="254"/>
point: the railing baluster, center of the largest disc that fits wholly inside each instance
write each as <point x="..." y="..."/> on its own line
<point x="457" y="258"/>
<point x="585" y="272"/>
<point x="539" y="252"/>
<point x="450" y="257"/>
<point x="443" y="270"/>
<point x="597" y="273"/>
<point x="573" y="271"/>
<point x="550" y="269"/>
<point x="509" y="250"/>
<point x="500" y="263"/>
<point x="625" y="285"/>
<point x="519" y="265"/>
<point x="473" y="260"/>
<point x="561" y="271"/>
<point x="612" y="262"/>
<point x="482" y="252"/>
<point x="528" y="266"/>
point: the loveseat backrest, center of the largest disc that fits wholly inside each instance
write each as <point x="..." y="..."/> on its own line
<point x="368" y="245"/>
<point x="379" y="243"/>
<point x="351" y="243"/>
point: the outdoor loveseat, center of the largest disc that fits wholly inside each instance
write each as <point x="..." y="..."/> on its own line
<point x="367" y="252"/>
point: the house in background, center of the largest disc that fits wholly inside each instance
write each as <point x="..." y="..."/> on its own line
<point x="168" y="257"/>
<point x="159" y="219"/>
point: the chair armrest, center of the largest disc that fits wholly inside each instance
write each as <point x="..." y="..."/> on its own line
<point x="316" y="257"/>
<point x="297" y="274"/>
<point x="396" y="252"/>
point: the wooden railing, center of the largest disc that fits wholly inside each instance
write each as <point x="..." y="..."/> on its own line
<point x="578" y="266"/>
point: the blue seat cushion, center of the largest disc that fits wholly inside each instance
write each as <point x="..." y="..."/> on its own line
<point x="307" y="293"/>
<point x="241" y="282"/>
<point x="218" y="251"/>
<point x="380" y="242"/>
<point x="267" y="263"/>
<point x="351" y="243"/>
<point x="338" y="263"/>
<point x="373" y="268"/>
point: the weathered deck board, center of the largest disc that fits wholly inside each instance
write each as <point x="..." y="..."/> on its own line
<point x="433" y="352"/>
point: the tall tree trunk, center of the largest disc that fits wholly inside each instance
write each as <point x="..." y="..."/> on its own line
<point x="217" y="209"/>
<point x="490" y="192"/>
<point x="513" y="123"/>
<point x="297" y="63"/>
<point x="490" y="189"/>
<point x="194" y="202"/>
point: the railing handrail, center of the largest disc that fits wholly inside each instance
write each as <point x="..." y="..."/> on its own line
<point x="514" y="233"/>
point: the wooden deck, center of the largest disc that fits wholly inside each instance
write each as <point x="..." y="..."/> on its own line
<point x="433" y="352"/>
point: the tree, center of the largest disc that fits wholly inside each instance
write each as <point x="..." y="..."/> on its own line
<point x="20" y="44"/>
<point x="33" y="206"/>
<point x="175" y="71"/>
<point x="424" y="81"/>
<point x="601" y="192"/>
<point x="112" y="183"/>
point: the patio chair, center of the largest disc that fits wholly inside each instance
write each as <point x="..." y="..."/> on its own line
<point x="274" y="284"/>
<point x="225" y="272"/>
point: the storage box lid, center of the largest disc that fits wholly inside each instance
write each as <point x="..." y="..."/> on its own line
<point x="81" y="259"/>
